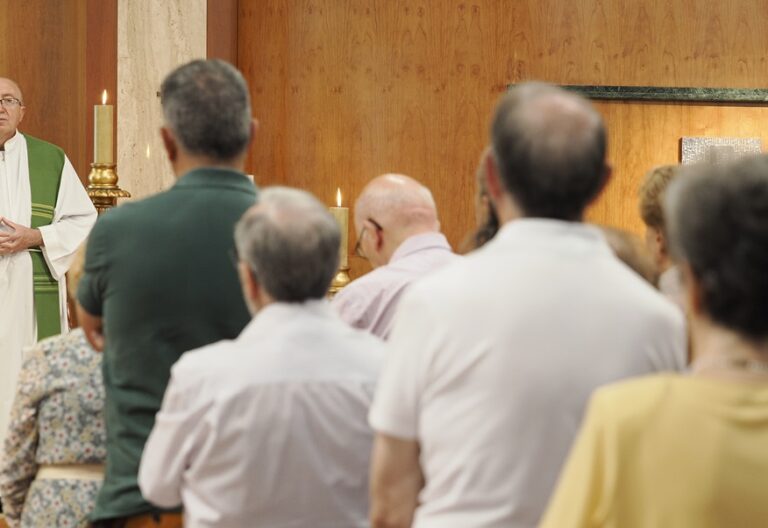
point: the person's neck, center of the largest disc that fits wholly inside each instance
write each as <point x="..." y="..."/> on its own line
<point x="665" y="265"/>
<point x="186" y="164"/>
<point x="5" y="139"/>
<point x="507" y="211"/>
<point x="724" y="354"/>
<point x="401" y="237"/>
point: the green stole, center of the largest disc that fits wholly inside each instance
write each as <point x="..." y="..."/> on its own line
<point x="46" y="162"/>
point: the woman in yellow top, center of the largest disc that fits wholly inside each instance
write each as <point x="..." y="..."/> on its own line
<point x="690" y="450"/>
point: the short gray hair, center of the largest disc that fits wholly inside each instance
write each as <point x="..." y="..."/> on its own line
<point x="207" y="105"/>
<point x="717" y="218"/>
<point x="291" y="243"/>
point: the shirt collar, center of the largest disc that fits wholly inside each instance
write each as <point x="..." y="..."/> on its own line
<point x="215" y="176"/>
<point x="418" y="243"/>
<point x="12" y="143"/>
<point x="277" y="313"/>
<point x="547" y="230"/>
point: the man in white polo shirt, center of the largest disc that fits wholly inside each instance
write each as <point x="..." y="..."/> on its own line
<point x="492" y="359"/>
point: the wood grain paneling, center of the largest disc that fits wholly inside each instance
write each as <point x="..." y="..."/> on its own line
<point x="348" y="89"/>
<point x="101" y="67"/>
<point x="42" y="48"/>
<point x="221" y="31"/>
<point x="63" y="54"/>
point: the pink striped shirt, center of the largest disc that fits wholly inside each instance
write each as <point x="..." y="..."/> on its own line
<point x="369" y="303"/>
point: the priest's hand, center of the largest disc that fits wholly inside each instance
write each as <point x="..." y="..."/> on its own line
<point x="15" y="237"/>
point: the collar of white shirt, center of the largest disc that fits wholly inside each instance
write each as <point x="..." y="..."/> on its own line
<point x="418" y="243"/>
<point x="13" y="142"/>
<point x="545" y="232"/>
<point x="277" y="312"/>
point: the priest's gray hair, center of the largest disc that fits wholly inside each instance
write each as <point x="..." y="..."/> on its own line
<point x="207" y="106"/>
<point x="291" y="243"/>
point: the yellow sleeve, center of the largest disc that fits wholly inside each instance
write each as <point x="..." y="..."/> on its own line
<point x="581" y="493"/>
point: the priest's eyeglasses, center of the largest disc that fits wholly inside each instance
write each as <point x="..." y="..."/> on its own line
<point x="358" y="248"/>
<point x="10" y="102"/>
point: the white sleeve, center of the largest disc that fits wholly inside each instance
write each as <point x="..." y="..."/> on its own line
<point x="170" y="446"/>
<point x="399" y="394"/>
<point x="73" y="219"/>
<point x="668" y="348"/>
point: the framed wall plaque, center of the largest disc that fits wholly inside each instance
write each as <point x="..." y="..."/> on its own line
<point x="717" y="149"/>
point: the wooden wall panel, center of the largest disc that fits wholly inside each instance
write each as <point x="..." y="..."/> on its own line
<point x="221" y="30"/>
<point x="348" y="89"/>
<point x="63" y="54"/>
<point x="42" y="48"/>
<point x="100" y="68"/>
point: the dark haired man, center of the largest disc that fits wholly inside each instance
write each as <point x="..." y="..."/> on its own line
<point x="158" y="279"/>
<point x="491" y="360"/>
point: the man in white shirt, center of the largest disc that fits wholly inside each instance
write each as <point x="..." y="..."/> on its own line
<point x="491" y="360"/>
<point x="270" y="429"/>
<point x="45" y="214"/>
<point x="399" y="233"/>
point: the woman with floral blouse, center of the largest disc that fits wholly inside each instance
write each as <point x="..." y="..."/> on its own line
<point x="55" y="446"/>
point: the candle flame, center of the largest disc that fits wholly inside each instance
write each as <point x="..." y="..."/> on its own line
<point x="104" y="97"/>
<point x="148" y="151"/>
<point x="338" y="196"/>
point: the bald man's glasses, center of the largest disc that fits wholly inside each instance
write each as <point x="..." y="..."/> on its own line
<point x="358" y="248"/>
<point x="10" y="102"/>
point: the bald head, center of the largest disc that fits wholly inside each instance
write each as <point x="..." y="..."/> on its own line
<point x="549" y="146"/>
<point x="391" y="209"/>
<point x="398" y="202"/>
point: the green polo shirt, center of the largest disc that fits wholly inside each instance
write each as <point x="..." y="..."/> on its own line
<point x="159" y="273"/>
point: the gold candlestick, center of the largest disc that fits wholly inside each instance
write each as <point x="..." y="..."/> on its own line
<point x="341" y="214"/>
<point x="102" y="186"/>
<point x="102" y="180"/>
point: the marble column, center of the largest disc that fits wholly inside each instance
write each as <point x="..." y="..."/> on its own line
<point x="152" y="39"/>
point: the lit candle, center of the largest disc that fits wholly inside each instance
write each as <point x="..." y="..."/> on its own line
<point x="341" y="214"/>
<point x="103" y="120"/>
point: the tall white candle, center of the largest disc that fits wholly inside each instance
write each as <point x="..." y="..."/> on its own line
<point x="103" y="123"/>
<point x="341" y="214"/>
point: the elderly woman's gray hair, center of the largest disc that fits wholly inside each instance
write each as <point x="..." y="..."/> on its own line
<point x="291" y="243"/>
<point x="207" y="105"/>
<point x="717" y="219"/>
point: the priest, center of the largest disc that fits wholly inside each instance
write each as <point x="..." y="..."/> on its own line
<point x="45" y="214"/>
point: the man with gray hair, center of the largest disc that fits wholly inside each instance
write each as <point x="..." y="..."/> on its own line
<point x="399" y="233"/>
<point x="158" y="280"/>
<point x="486" y="379"/>
<point x="270" y="429"/>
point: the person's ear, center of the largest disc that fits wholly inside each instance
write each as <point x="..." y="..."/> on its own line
<point x="694" y="295"/>
<point x="21" y="114"/>
<point x="169" y="143"/>
<point x="254" y="129"/>
<point x="378" y="237"/>
<point x="607" y="174"/>
<point x="493" y="179"/>
<point x="251" y="287"/>
<point x="661" y="242"/>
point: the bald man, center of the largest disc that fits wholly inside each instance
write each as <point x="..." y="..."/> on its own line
<point x="399" y="233"/>
<point x="45" y="214"/>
